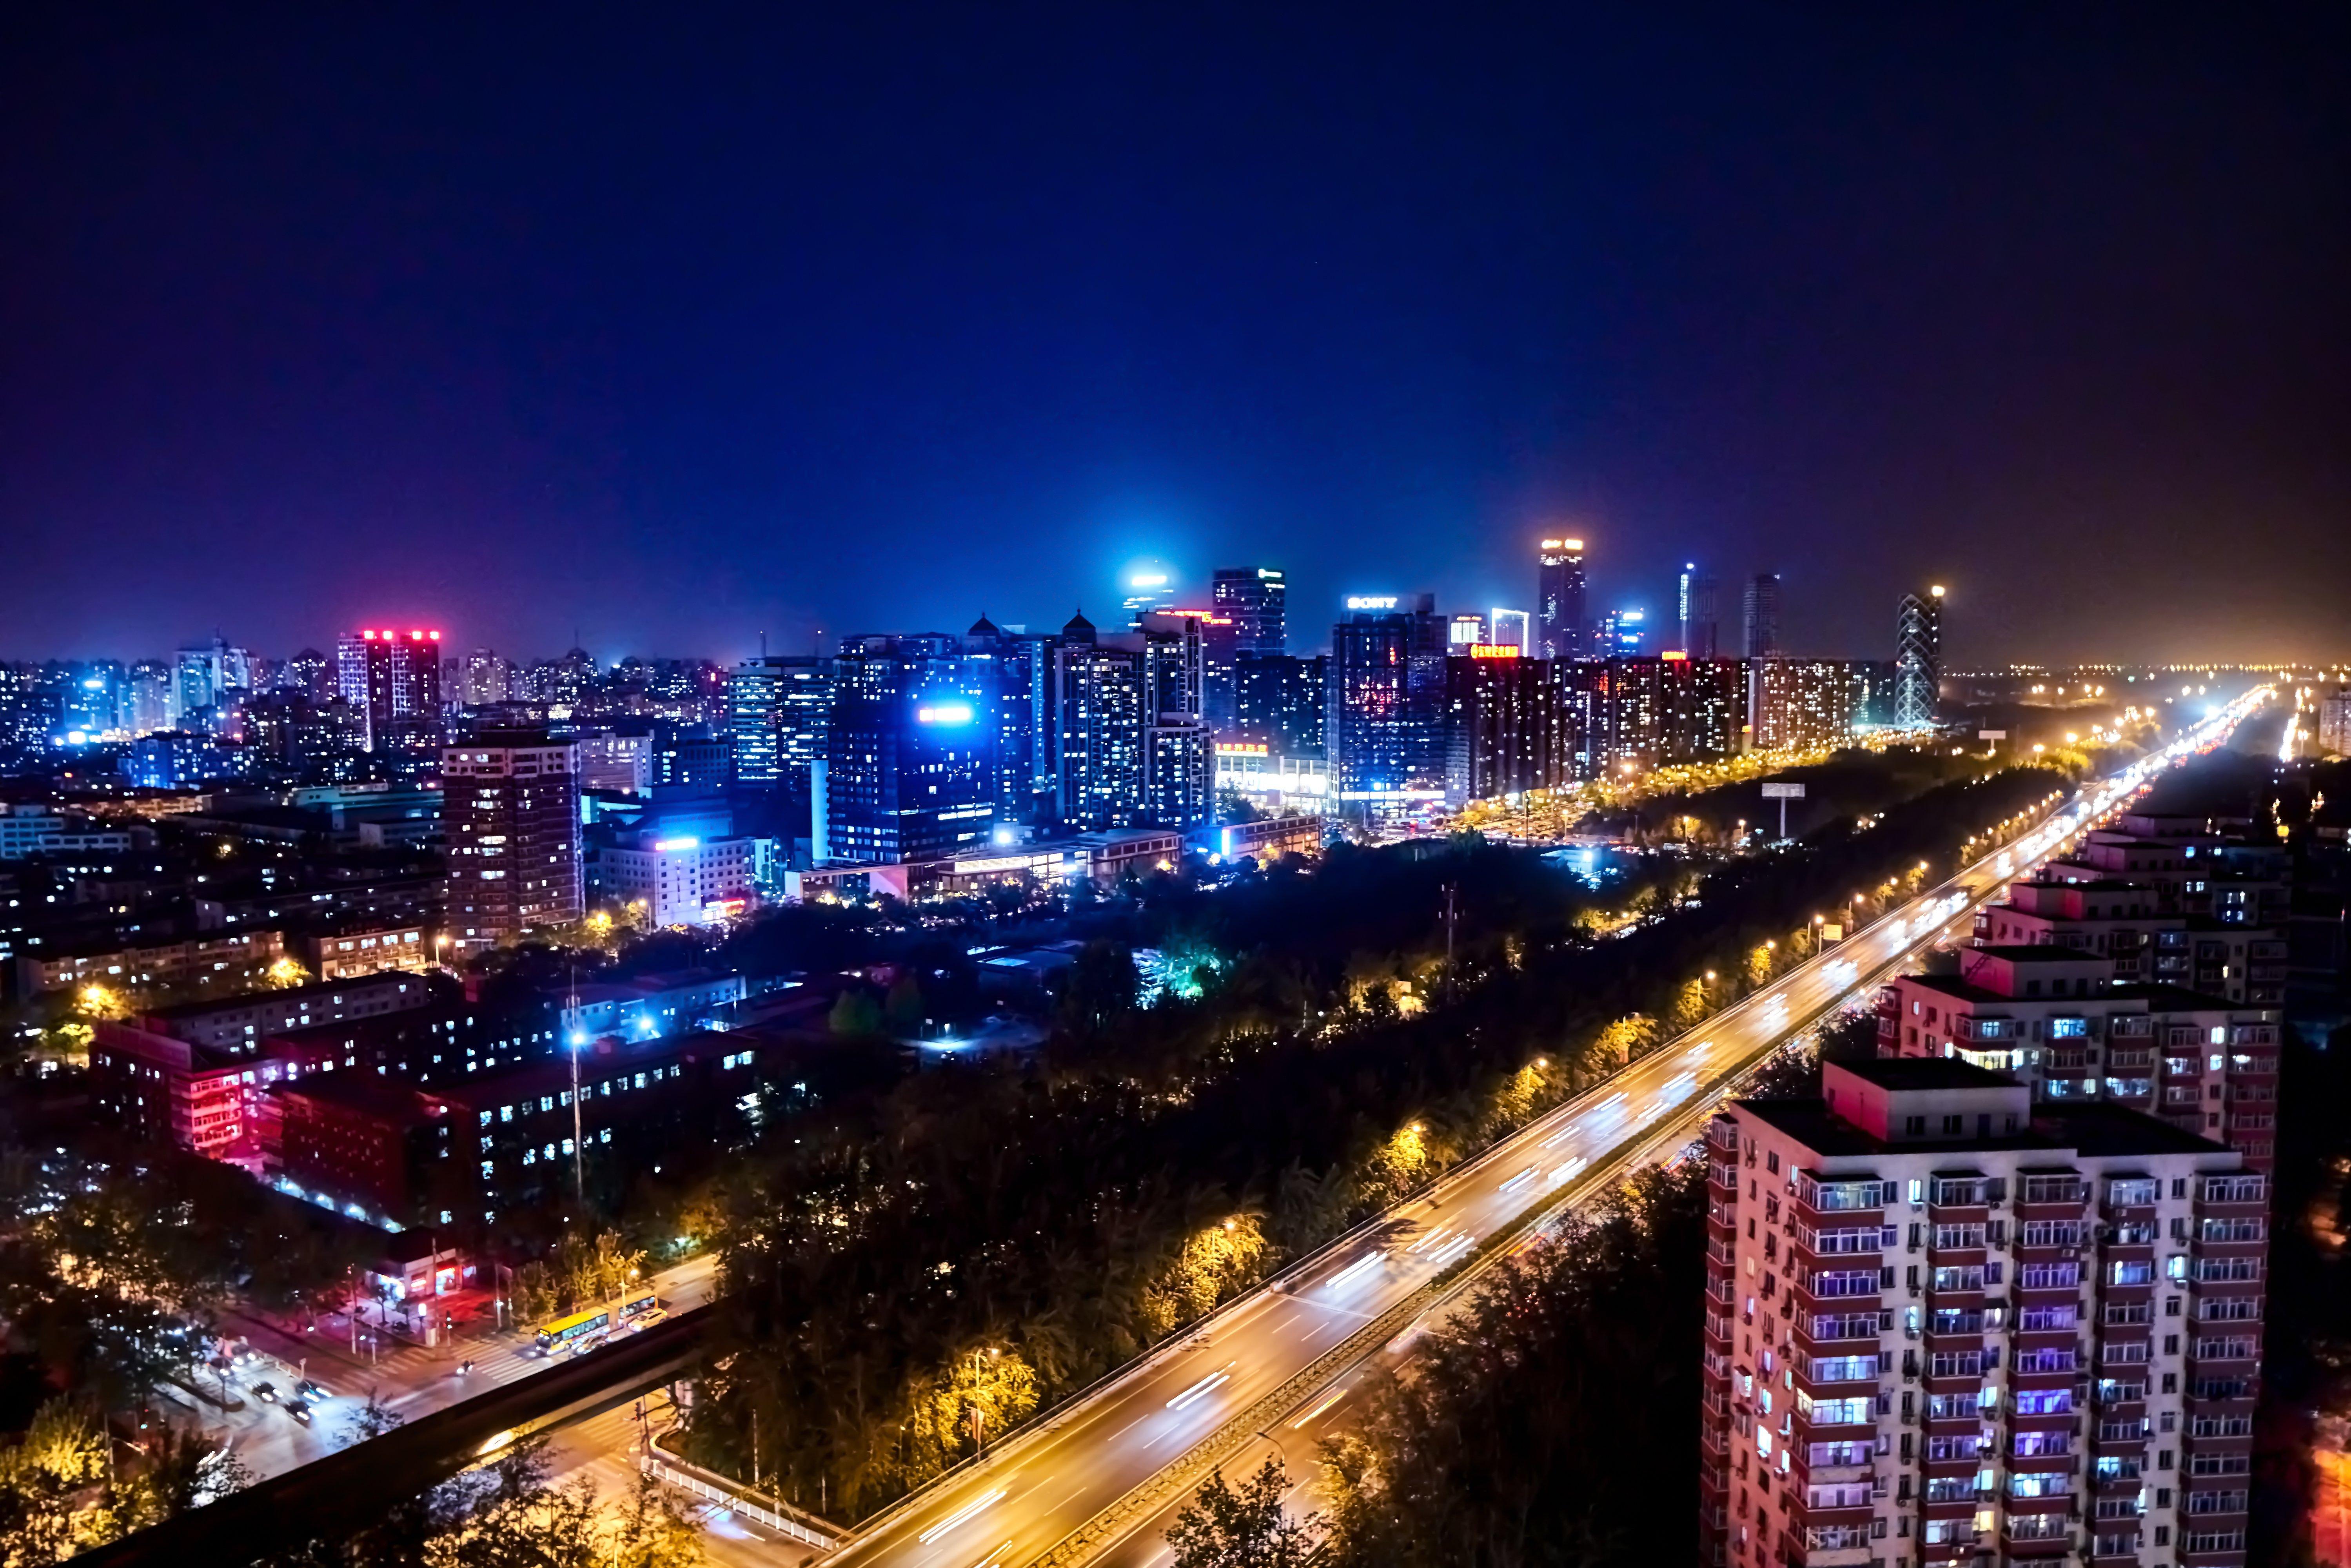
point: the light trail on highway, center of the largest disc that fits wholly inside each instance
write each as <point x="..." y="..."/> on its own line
<point x="1041" y="1486"/>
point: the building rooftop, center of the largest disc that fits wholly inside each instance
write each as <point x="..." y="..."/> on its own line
<point x="318" y="990"/>
<point x="1914" y="1072"/>
<point x="2090" y="1127"/>
<point x="392" y="1098"/>
<point x="2038" y="952"/>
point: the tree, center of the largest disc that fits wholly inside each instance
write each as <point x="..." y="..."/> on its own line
<point x="1241" y="1527"/>
<point x="855" y="1013"/>
<point x="650" y="1530"/>
<point x="1101" y="989"/>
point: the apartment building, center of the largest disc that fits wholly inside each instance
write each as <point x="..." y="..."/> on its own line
<point x="2126" y="920"/>
<point x="2054" y="1016"/>
<point x="1948" y="1324"/>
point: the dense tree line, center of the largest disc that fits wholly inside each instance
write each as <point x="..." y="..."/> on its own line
<point x="927" y="1268"/>
<point x="1552" y="1422"/>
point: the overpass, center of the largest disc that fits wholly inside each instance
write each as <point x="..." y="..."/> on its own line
<point x="330" y="1497"/>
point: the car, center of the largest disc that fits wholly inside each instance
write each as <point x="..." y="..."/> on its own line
<point x="311" y="1392"/>
<point x="265" y="1391"/>
<point x="299" y="1410"/>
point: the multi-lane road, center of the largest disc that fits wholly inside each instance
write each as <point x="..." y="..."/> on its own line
<point x="1037" y="1492"/>
<point x="1260" y="1379"/>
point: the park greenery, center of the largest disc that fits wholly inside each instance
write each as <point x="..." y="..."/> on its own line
<point x="917" y="1269"/>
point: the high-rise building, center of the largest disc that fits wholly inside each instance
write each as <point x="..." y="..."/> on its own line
<point x="483" y="679"/>
<point x="1464" y="631"/>
<point x="1805" y="703"/>
<point x="1563" y="628"/>
<point x="1099" y="723"/>
<point x="1622" y="635"/>
<point x="1248" y="613"/>
<point x="1511" y="629"/>
<point x="1027" y="729"/>
<point x="2204" y="1063"/>
<point x="910" y="767"/>
<point x="2334" y="722"/>
<point x="776" y="709"/>
<point x="1946" y="1325"/>
<point x="1256" y="598"/>
<point x="150" y="697"/>
<point x="1917" y="658"/>
<point x="1696" y="595"/>
<point x="1763" y="615"/>
<point x="205" y="679"/>
<point x="1506" y="731"/>
<point x="510" y="809"/>
<point x="309" y="672"/>
<point x="1386" y="696"/>
<point x="1652" y="713"/>
<point x="391" y="679"/>
<point x="1281" y="703"/>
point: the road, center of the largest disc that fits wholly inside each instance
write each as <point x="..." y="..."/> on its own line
<point x="1044" y="1485"/>
<point x="410" y="1380"/>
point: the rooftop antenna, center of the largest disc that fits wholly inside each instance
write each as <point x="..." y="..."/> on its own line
<point x="763" y="645"/>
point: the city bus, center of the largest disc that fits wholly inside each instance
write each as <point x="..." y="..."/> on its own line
<point x="563" y="1333"/>
<point x="638" y="1302"/>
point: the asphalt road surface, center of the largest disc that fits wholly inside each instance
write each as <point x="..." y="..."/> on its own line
<point x="1039" y="1488"/>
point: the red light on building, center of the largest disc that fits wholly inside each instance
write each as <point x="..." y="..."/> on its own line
<point x="1495" y="651"/>
<point x="368" y="635"/>
<point x="436" y="636"/>
<point x="1674" y="656"/>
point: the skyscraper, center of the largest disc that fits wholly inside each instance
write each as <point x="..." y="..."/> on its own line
<point x="392" y="680"/>
<point x="1763" y="615"/>
<point x="1257" y="599"/>
<point x="911" y="768"/>
<point x="1696" y="598"/>
<point x="1506" y="729"/>
<point x="1249" y="613"/>
<point x="510" y="807"/>
<point x="1561" y="628"/>
<point x="1279" y="704"/>
<point x="1386" y="693"/>
<point x="778" y="706"/>
<point x="1918" y="657"/>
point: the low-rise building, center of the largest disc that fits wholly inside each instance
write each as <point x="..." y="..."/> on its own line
<point x="239" y="960"/>
<point x="650" y="1006"/>
<point x="346" y="955"/>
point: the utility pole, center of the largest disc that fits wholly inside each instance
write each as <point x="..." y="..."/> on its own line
<point x="1452" y="919"/>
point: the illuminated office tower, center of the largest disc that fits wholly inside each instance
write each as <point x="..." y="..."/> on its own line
<point x="910" y="769"/>
<point x="1763" y="615"/>
<point x="1621" y="634"/>
<point x="1563" y="630"/>
<point x="778" y="706"/>
<point x="1918" y="657"/>
<point x="510" y="808"/>
<point x="1248" y="613"/>
<point x="391" y="678"/>
<point x="1279" y="704"/>
<point x="1696" y="595"/>
<point x="1387" y="699"/>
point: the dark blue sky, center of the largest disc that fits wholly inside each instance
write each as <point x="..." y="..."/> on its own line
<point x="678" y="328"/>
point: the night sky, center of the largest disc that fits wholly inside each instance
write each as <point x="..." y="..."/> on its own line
<point x="678" y="328"/>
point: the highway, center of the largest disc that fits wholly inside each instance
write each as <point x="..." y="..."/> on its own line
<point x="1039" y="1489"/>
<point x="1263" y="1377"/>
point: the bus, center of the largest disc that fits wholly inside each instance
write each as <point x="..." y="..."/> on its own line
<point x="565" y="1331"/>
<point x="638" y="1302"/>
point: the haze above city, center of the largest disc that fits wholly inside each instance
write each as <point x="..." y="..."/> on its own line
<point x="676" y="332"/>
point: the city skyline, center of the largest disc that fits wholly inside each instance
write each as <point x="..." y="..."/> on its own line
<point x="312" y="325"/>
